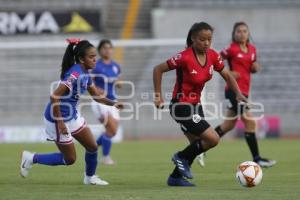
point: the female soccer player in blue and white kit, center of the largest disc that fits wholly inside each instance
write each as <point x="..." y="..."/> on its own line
<point x="106" y="77"/>
<point x="63" y="122"/>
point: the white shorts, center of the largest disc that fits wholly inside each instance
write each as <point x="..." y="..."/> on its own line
<point x="101" y="111"/>
<point x="74" y="126"/>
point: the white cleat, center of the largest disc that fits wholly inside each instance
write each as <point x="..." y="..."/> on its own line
<point x="200" y="159"/>
<point x="265" y="163"/>
<point x="94" y="180"/>
<point x="26" y="163"/>
<point x="107" y="161"/>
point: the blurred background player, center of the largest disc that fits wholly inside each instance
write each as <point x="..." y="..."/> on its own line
<point x="194" y="67"/>
<point x="62" y="120"/>
<point x="241" y="57"/>
<point x="106" y="77"/>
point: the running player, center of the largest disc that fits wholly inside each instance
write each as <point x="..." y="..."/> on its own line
<point x="62" y="120"/>
<point x="194" y="67"/>
<point x="107" y="76"/>
<point x="241" y="57"/>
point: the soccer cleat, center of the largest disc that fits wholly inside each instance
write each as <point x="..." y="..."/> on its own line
<point x="183" y="166"/>
<point x="26" y="163"/>
<point x="179" y="182"/>
<point x="200" y="159"/>
<point x="265" y="163"/>
<point x="94" y="180"/>
<point x="106" y="160"/>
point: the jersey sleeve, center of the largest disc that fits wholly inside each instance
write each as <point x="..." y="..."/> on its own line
<point x="176" y="61"/>
<point x="227" y="52"/>
<point x="218" y="62"/>
<point x="70" y="79"/>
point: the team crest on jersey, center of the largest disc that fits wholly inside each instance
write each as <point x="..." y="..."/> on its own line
<point x="240" y="55"/>
<point x="196" y="118"/>
<point x="115" y="69"/>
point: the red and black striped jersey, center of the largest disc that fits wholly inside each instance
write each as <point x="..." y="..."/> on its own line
<point x="241" y="62"/>
<point x="191" y="75"/>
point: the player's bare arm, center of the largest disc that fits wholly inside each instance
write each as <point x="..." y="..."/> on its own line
<point x="233" y="84"/>
<point x="55" y="101"/>
<point x="157" y="77"/>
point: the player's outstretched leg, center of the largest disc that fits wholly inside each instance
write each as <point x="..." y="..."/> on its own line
<point x="66" y="156"/>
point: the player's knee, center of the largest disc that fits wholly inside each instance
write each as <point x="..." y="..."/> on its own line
<point x="70" y="160"/>
<point x="250" y="124"/>
<point x="215" y="141"/>
<point x="111" y="132"/>
<point x="92" y="148"/>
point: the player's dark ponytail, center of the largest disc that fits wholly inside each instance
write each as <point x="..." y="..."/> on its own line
<point x="235" y="26"/>
<point x="75" y="50"/>
<point x="189" y="41"/>
<point x="197" y="27"/>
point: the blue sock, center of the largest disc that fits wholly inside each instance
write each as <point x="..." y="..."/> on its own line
<point x="91" y="162"/>
<point x="100" y="139"/>
<point x="49" y="159"/>
<point x="106" y="145"/>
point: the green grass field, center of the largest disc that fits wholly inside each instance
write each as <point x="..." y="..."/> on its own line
<point x="141" y="172"/>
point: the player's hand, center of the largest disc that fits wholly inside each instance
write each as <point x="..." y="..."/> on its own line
<point x="119" y="105"/>
<point x="62" y="129"/>
<point x="159" y="102"/>
<point x="242" y="99"/>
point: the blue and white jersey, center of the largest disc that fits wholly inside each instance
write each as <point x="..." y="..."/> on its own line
<point x="77" y="80"/>
<point x="105" y="77"/>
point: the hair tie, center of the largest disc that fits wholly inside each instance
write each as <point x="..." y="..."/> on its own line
<point x="74" y="41"/>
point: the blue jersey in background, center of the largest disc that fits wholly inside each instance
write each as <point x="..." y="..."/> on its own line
<point x="105" y="77"/>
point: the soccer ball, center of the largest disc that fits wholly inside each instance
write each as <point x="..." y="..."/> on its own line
<point x="249" y="174"/>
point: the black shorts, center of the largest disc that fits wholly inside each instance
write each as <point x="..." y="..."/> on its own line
<point x="189" y="116"/>
<point x="233" y="104"/>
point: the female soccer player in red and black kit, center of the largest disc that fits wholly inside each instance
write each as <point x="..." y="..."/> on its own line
<point x="241" y="57"/>
<point x="194" y="67"/>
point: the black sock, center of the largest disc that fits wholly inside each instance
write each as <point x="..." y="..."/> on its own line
<point x="175" y="173"/>
<point x="191" y="151"/>
<point x="219" y="131"/>
<point x="252" y="143"/>
<point x="189" y="154"/>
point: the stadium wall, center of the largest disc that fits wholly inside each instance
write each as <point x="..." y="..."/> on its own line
<point x="266" y="24"/>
